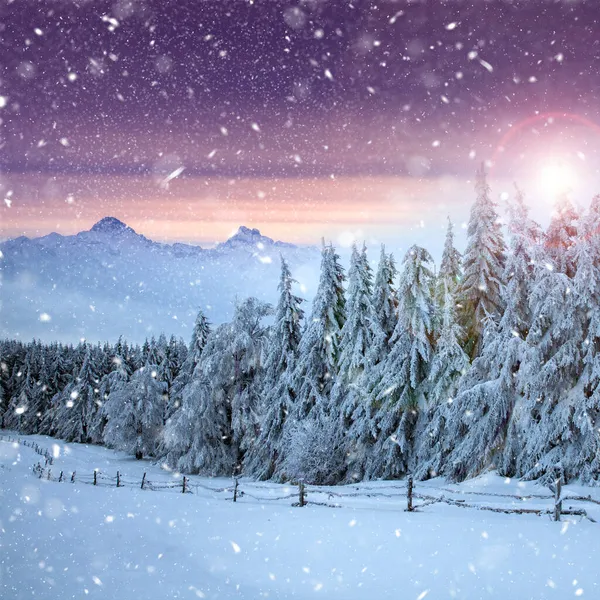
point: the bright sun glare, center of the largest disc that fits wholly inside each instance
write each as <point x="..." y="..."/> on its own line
<point x="557" y="178"/>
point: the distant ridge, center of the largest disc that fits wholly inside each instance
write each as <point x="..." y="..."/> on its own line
<point x="109" y="281"/>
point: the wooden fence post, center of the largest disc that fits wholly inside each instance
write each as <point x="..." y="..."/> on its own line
<point x="143" y="480"/>
<point x="235" y="488"/>
<point x="60" y="477"/>
<point x="95" y="480"/>
<point x="49" y="474"/>
<point x="409" y="494"/>
<point x="301" y="494"/>
<point x="557" y="498"/>
<point x="73" y="477"/>
<point x="183" y="487"/>
<point x="118" y="479"/>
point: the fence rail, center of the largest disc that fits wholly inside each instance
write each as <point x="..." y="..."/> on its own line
<point x="415" y="500"/>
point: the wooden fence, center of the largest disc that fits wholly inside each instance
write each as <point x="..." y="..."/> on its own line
<point x="415" y="500"/>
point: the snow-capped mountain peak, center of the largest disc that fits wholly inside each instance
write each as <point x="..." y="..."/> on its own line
<point x="110" y="225"/>
<point x="251" y="237"/>
<point x="111" y="230"/>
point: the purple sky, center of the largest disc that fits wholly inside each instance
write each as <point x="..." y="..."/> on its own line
<point x="101" y="101"/>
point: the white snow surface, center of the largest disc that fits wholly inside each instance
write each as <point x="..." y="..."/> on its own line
<point x="74" y="540"/>
<point x="111" y="281"/>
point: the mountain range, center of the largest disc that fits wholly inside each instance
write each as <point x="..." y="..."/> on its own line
<point x="111" y="281"/>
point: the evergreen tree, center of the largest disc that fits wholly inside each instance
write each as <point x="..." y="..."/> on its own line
<point x="480" y="416"/>
<point x="77" y="404"/>
<point x="560" y="409"/>
<point x="39" y="401"/>
<point x="400" y="385"/>
<point x="135" y="413"/>
<point x="448" y="278"/>
<point x="448" y="365"/>
<point x="314" y="449"/>
<point x="363" y="344"/>
<point x="263" y="460"/>
<point x="360" y="335"/>
<point x="385" y="301"/>
<point x="249" y="342"/>
<point x="551" y="365"/>
<point x="20" y="412"/>
<point x="217" y="420"/>
<point x="586" y="417"/>
<point x="111" y="388"/>
<point x="198" y="438"/>
<point x="481" y="286"/>
<point x="16" y="416"/>
<point x="168" y="366"/>
<point x="200" y="335"/>
<point x="319" y="352"/>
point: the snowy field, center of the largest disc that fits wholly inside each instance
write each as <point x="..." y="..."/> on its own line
<point x="74" y="540"/>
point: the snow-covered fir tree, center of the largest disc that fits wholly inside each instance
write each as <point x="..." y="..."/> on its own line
<point x="24" y="403"/>
<point x="448" y="365"/>
<point x="111" y="389"/>
<point x="41" y="395"/>
<point x="586" y="416"/>
<point x="78" y="404"/>
<point x="318" y="358"/>
<point x="198" y="438"/>
<point x="483" y="266"/>
<point x="249" y="340"/>
<point x="264" y="457"/>
<point x="135" y="413"/>
<point x="550" y="366"/>
<point x="480" y="415"/>
<point x="385" y="301"/>
<point x="399" y="391"/>
<point x="560" y="405"/>
<point x="448" y="277"/>
<point x="12" y="357"/>
<point x="360" y="336"/>
<point x="319" y="350"/>
<point x="178" y="428"/>
<point x="314" y="449"/>
<point x="184" y="374"/>
<point x="217" y="421"/>
<point x="198" y="342"/>
<point x="363" y="344"/>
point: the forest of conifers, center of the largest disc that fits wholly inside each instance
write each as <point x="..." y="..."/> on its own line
<point x="491" y="363"/>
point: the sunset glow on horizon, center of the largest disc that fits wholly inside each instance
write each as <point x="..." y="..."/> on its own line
<point x="209" y="210"/>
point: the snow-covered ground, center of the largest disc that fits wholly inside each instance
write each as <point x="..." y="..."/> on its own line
<point x="74" y="540"/>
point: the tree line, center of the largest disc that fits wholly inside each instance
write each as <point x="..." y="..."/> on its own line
<point x="492" y="362"/>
